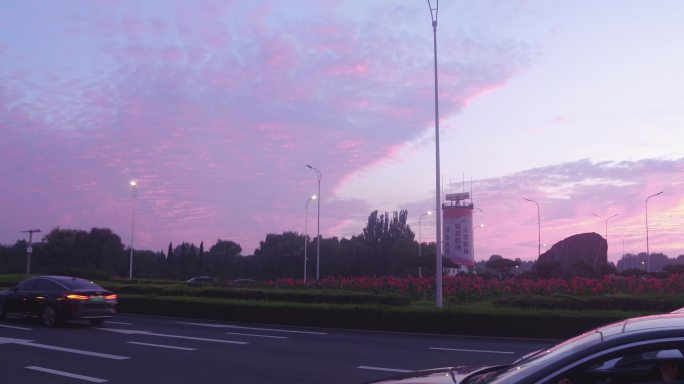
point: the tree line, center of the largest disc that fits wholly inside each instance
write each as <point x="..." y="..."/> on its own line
<point x="386" y="246"/>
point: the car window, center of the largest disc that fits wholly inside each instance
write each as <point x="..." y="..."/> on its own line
<point x="631" y="366"/>
<point x="47" y="285"/>
<point x="534" y="362"/>
<point x="27" y="285"/>
<point x="76" y="283"/>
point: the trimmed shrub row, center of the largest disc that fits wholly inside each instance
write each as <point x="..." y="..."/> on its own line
<point x="299" y="296"/>
<point x="499" y="322"/>
<point x="651" y="303"/>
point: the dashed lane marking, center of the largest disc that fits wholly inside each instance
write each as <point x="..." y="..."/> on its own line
<point x="252" y="328"/>
<point x="67" y="374"/>
<point x="384" y="369"/>
<point x="146" y="333"/>
<point x="15" y="327"/>
<point x="161" y="346"/>
<point x="30" y="343"/>
<point x="471" y="350"/>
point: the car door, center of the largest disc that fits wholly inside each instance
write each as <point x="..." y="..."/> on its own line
<point x="17" y="301"/>
<point x="41" y="293"/>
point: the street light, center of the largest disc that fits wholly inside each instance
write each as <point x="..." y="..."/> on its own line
<point x="420" y="224"/>
<point x="306" y="233"/>
<point x="318" y="222"/>
<point x="606" y="220"/>
<point x="134" y="194"/>
<point x="648" y="251"/>
<point x="438" y="187"/>
<point x="538" y="224"/>
<point x="29" y="249"/>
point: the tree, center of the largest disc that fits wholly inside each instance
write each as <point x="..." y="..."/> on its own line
<point x="222" y="260"/>
<point x="280" y="255"/>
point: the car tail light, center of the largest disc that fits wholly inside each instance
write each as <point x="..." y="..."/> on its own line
<point x="111" y="297"/>
<point x="74" y="296"/>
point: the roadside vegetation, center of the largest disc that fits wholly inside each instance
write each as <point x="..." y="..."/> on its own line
<point x="374" y="280"/>
<point x="515" y="307"/>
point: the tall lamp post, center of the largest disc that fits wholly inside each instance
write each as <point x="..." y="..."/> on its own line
<point x="420" y="225"/>
<point x="318" y="222"/>
<point x="538" y="225"/>
<point x="306" y="233"/>
<point x="134" y="194"/>
<point x="438" y="187"/>
<point x="648" y="251"/>
<point x="29" y="249"/>
<point x="606" y="220"/>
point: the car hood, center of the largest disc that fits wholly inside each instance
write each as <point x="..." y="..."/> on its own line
<point x="448" y="375"/>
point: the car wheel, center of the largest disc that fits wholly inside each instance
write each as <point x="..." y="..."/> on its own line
<point x="49" y="316"/>
<point x="96" y="322"/>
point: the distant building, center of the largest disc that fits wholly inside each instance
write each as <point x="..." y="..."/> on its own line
<point x="457" y="216"/>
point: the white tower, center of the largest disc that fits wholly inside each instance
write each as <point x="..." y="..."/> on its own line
<point x="458" y="229"/>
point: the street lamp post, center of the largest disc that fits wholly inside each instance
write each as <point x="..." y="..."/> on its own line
<point x="134" y="194"/>
<point x="306" y="233"/>
<point x="420" y="225"/>
<point x="438" y="187"/>
<point x="648" y="251"/>
<point x="538" y="225"/>
<point x="29" y="249"/>
<point x="318" y="222"/>
<point x="606" y="220"/>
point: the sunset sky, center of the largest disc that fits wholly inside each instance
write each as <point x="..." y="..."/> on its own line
<point x="216" y="107"/>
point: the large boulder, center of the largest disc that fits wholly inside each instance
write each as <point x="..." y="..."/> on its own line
<point x="584" y="255"/>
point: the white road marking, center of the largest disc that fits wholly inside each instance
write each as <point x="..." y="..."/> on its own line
<point x="384" y="369"/>
<point x="14" y="327"/>
<point x="252" y="328"/>
<point x="471" y="350"/>
<point x="146" y="333"/>
<point x="253" y="335"/>
<point x="67" y="374"/>
<point x="30" y="343"/>
<point x="161" y="346"/>
<point x="117" y="322"/>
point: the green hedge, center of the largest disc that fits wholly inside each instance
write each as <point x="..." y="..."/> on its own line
<point x="457" y="321"/>
<point x="651" y="303"/>
<point x="263" y="294"/>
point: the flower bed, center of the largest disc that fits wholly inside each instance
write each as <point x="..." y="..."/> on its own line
<point x="473" y="288"/>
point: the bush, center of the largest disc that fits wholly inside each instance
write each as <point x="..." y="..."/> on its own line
<point x="262" y="294"/>
<point x="651" y="303"/>
<point x="457" y="321"/>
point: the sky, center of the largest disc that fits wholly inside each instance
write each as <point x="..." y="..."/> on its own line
<point x="216" y="107"/>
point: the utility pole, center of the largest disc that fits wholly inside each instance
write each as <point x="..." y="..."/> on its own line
<point x="29" y="249"/>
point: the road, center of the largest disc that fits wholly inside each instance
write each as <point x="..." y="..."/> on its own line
<point x="145" y="349"/>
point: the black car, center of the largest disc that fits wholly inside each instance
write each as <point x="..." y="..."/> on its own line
<point x="54" y="299"/>
<point x="638" y="350"/>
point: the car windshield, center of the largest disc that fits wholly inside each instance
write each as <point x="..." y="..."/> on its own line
<point x="540" y="358"/>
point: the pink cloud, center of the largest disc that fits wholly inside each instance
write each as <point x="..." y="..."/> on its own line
<point x="217" y="118"/>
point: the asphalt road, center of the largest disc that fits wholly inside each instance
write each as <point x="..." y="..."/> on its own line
<point x="143" y="349"/>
